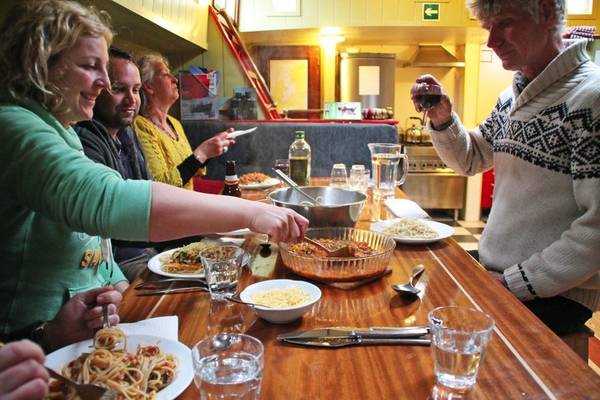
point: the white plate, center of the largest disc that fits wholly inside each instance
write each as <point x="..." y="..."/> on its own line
<point x="185" y="372"/>
<point x="155" y="265"/>
<point x="444" y="231"/>
<point x="267" y="183"/>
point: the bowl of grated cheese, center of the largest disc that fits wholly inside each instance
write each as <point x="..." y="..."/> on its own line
<point x="287" y="299"/>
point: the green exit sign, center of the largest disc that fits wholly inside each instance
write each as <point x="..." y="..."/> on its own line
<point x="431" y="11"/>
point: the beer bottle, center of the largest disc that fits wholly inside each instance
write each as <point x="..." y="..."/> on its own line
<point x="232" y="183"/>
<point x="299" y="156"/>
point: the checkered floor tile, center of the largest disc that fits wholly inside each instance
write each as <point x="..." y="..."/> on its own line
<point x="466" y="233"/>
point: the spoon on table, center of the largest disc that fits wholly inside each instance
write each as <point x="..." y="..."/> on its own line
<point x="222" y="341"/>
<point x="343" y="251"/>
<point x="409" y="287"/>
<point x="240" y="301"/>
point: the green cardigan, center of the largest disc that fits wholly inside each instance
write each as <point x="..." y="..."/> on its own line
<point x="55" y="206"/>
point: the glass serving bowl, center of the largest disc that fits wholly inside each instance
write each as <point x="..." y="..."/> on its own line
<point x="346" y="269"/>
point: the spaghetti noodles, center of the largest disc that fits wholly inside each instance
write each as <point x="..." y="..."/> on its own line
<point x="139" y="375"/>
<point x="411" y="228"/>
<point x="186" y="260"/>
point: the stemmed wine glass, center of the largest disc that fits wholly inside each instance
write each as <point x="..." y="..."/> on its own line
<point x="427" y="98"/>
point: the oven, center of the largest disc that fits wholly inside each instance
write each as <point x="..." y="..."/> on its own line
<point x="431" y="183"/>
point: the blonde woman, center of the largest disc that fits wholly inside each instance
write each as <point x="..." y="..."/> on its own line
<point x="57" y="203"/>
<point x="168" y="152"/>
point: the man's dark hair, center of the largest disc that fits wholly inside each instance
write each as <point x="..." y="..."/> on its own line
<point x="115" y="52"/>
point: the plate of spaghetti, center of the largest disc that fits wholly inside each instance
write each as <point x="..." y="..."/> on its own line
<point x="134" y="366"/>
<point x="257" y="180"/>
<point x="413" y="231"/>
<point x="184" y="262"/>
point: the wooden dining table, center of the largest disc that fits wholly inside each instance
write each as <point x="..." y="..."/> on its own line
<point x="524" y="359"/>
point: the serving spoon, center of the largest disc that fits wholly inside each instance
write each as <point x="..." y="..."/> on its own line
<point x="343" y="251"/>
<point x="240" y="301"/>
<point x="409" y="287"/>
<point x="294" y="186"/>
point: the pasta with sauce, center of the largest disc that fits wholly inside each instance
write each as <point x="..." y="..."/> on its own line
<point x="186" y="260"/>
<point x="357" y="249"/>
<point x="139" y="375"/>
<point x="253" y="178"/>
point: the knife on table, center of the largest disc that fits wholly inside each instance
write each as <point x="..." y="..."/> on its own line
<point x="236" y="134"/>
<point x="164" y="286"/>
<point x="339" y="337"/>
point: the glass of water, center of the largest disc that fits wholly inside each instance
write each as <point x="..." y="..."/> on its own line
<point x="459" y="338"/>
<point x="228" y="366"/>
<point x="222" y="266"/>
<point x="359" y="178"/>
<point x="339" y="176"/>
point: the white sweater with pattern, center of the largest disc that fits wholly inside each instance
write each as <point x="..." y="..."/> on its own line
<point x="543" y="140"/>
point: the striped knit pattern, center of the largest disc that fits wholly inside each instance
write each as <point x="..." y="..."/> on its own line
<point x="543" y="139"/>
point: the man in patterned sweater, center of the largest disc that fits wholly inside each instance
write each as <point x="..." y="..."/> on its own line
<point x="542" y="238"/>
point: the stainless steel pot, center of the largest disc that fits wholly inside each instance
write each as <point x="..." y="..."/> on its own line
<point x="339" y="207"/>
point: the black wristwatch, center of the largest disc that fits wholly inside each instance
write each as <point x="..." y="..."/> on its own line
<point x="38" y="334"/>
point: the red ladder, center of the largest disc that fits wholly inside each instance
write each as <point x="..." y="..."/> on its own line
<point x="232" y="37"/>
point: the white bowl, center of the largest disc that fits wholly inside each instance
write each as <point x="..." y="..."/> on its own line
<point x="287" y="314"/>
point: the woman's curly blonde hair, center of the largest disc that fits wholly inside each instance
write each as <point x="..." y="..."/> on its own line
<point x="34" y="35"/>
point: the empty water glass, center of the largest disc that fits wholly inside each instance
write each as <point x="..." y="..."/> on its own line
<point x="228" y="366"/>
<point x="359" y="178"/>
<point x="339" y="176"/>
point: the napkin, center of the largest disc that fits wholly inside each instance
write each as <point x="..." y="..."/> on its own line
<point x="403" y="208"/>
<point x="166" y="327"/>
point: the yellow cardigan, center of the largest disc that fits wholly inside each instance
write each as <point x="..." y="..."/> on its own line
<point x="164" y="154"/>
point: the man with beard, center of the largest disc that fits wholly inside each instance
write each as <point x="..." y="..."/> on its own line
<point x="109" y="139"/>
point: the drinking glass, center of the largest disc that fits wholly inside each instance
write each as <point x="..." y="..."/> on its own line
<point x="283" y="164"/>
<point x="339" y="176"/>
<point x="388" y="170"/>
<point x="222" y="268"/>
<point x="359" y="178"/>
<point x="459" y="338"/>
<point x="427" y="98"/>
<point x="228" y="366"/>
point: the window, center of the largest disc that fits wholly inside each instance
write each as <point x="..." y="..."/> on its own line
<point x="580" y="7"/>
<point x="231" y="7"/>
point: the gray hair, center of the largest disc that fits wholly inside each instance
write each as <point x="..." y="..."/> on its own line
<point x="147" y="63"/>
<point x="483" y="9"/>
<point x="34" y="35"/>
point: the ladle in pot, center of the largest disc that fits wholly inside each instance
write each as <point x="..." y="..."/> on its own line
<point x="294" y="186"/>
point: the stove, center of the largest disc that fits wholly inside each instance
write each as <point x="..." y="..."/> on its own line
<point x="431" y="183"/>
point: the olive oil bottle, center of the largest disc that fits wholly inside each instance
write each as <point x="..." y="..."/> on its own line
<point x="299" y="156"/>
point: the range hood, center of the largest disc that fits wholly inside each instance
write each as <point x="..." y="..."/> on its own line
<point x="434" y="56"/>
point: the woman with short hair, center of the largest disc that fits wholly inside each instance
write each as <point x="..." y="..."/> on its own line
<point x="169" y="154"/>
